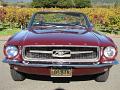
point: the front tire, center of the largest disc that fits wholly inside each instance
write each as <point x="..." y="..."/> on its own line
<point x="102" y="77"/>
<point x="17" y="76"/>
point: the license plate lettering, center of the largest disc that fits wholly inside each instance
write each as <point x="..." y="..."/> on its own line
<point x="61" y="72"/>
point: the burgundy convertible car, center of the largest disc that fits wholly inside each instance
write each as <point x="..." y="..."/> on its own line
<point x="60" y="44"/>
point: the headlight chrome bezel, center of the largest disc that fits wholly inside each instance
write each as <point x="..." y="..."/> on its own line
<point x="11" y="51"/>
<point x="109" y="50"/>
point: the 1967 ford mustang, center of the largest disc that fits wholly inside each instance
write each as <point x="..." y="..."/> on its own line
<point x="60" y="44"/>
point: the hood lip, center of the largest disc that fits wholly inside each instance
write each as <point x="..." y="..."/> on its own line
<point x="61" y="46"/>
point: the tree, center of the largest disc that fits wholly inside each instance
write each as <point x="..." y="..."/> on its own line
<point x="82" y="3"/>
<point x="4" y="4"/>
<point x="61" y="3"/>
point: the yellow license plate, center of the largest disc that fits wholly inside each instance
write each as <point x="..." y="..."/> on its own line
<point x="59" y="72"/>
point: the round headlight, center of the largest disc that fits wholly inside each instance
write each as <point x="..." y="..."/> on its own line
<point x="11" y="51"/>
<point x="109" y="52"/>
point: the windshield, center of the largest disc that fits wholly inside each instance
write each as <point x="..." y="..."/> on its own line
<point x="59" y="20"/>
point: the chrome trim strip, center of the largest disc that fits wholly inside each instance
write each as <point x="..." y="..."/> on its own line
<point x="37" y="51"/>
<point x="63" y="60"/>
<point x="16" y="62"/>
<point x="50" y="52"/>
<point x="79" y="52"/>
<point x="78" y="60"/>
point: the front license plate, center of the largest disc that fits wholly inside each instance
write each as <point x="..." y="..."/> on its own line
<point x="59" y="72"/>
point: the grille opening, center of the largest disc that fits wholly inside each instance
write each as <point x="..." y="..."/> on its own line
<point x="93" y="55"/>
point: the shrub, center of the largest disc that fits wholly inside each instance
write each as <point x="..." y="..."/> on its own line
<point x="61" y="3"/>
<point x="104" y="19"/>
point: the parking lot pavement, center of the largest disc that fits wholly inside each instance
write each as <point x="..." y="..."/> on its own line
<point x="6" y="82"/>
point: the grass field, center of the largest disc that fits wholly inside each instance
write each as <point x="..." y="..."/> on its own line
<point x="9" y="31"/>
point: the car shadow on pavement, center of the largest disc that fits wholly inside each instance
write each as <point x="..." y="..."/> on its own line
<point x="59" y="89"/>
<point x="60" y="80"/>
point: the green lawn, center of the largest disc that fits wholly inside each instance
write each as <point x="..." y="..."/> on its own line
<point x="6" y="32"/>
<point x="9" y="31"/>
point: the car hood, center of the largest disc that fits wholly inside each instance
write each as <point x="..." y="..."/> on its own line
<point x="56" y="37"/>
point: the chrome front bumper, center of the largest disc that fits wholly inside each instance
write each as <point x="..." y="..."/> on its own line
<point x="16" y="62"/>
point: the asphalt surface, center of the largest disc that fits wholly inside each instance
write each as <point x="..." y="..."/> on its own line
<point x="6" y="82"/>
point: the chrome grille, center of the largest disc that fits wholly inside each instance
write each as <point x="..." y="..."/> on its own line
<point x="78" y="53"/>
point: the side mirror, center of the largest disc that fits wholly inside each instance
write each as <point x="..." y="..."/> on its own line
<point x="91" y="27"/>
<point x="23" y="27"/>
